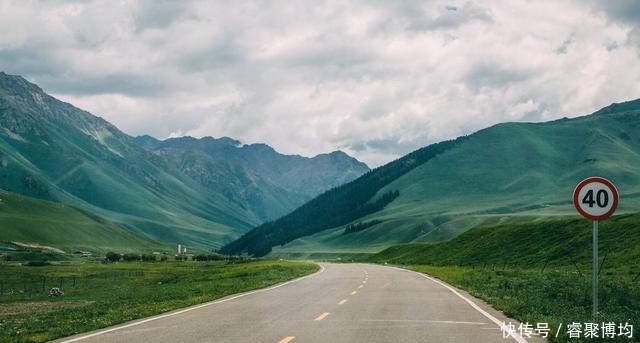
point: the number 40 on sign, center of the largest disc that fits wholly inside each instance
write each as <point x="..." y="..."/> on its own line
<point x="595" y="198"/>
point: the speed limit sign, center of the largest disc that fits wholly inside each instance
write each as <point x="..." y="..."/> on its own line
<point x="595" y="198"/>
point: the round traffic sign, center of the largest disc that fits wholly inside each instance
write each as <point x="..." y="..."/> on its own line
<point x="595" y="198"/>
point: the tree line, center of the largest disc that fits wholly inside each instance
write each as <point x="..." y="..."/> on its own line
<point x="112" y="257"/>
<point x="352" y="228"/>
<point x="115" y="257"/>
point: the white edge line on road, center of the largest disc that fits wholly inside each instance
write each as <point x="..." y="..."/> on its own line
<point x="424" y="321"/>
<point x="474" y="305"/>
<point x="191" y="308"/>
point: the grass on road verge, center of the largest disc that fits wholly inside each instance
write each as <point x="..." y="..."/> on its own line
<point x="555" y="296"/>
<point x="101" y="295"/>
<point x="539" y="272"/>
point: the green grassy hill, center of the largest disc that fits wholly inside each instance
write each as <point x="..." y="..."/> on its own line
<point x="53" y="151"/>
<point x="42" y="223"/>
<point x="508" y="173"/>
<point x="561" y="242"/>
<point x="336" y="206"/>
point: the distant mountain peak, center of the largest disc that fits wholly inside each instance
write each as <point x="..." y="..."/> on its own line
<point x="339" y="154"/>
<point x="148" y="137"/>
<point x="299" y="177"/>
<point x="224" y="140"/>
<point x="203" y="140"/>
<point x="261" y="147"/>
<point x="18" y="84"/>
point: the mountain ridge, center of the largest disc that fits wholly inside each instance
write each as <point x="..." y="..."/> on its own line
<point x="503" y="173"/>
<point x="268" y="183"/>
<point x="53" y="151"/>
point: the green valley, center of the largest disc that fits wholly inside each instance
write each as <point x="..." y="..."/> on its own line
<point x="309" y="172"/>
<point x="53" y="151"/>
<point x="508" y="173"/>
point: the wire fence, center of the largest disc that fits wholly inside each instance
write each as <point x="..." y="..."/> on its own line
<point x="42" y="284"/>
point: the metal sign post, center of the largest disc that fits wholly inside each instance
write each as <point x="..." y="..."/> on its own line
<point x="596" y="199"/>
<point x="595" y="269"/>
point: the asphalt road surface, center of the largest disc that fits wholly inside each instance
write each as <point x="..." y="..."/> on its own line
<point x="341" y="303"/>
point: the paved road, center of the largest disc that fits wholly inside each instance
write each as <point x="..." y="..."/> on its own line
<point x="342" y="303"/>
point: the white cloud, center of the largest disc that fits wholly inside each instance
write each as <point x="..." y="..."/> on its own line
<point x="374" y="78"/>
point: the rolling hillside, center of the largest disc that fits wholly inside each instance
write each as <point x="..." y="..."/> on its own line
<point x="339" y="205"/>
<point x="510" y="172"/>
<point x="27" y="220"/>
<point x="560" y="242"/>
<point x="53" y="151"/>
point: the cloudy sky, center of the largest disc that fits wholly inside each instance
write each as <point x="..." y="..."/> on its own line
<point x="375" y="78"/>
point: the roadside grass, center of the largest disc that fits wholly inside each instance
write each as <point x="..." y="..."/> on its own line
<point x="101" y="295"/>
<point x="560" y="295"/>
<point x="539" y="272"/>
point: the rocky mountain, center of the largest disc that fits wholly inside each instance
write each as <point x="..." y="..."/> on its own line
<point x="54" y="151"/>
<point x="257" y="177"/>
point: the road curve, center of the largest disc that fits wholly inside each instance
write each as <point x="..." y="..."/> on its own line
<point x="342" y="303"/>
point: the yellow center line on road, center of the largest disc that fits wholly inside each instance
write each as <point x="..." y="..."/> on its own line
<point x="365" y="281"/>
<point x="287" y="339"/>
<point x="354" y="292"/>
<point x="342" y="302"/>
<point x="322" y="316"/>
<point x="360" y="286"/>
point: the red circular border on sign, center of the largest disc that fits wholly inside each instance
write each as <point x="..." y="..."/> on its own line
<point x="587" y="181"/>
